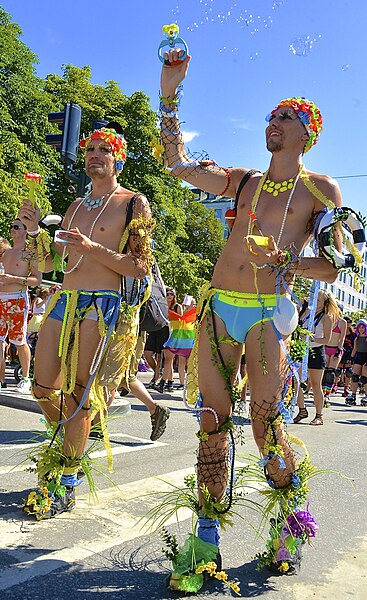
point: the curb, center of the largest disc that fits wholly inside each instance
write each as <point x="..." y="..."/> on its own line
<point x="12" y="400"/>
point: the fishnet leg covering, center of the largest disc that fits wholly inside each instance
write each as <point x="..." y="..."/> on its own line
<point x="212" y="465"/>
<point x="269" y="435"/>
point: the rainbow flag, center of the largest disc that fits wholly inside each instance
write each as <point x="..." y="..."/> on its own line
<point x="182" y="329"/>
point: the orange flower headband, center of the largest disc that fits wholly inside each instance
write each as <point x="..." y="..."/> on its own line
<point x="309" y="115"/>
<point x="115" y="140"/>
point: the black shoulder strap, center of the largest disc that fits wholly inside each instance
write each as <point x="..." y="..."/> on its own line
<point x="130" y="209"/>
<point x="242" y="184"/>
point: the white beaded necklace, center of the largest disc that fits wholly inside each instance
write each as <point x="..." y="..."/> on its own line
<point x="257" y="195"/>
<point x="90" y="231"/>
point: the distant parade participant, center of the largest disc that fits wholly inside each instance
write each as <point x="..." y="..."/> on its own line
<point x="76" y="335"/>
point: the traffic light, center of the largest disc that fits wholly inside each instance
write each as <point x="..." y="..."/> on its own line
<point x="99" y="123"/>
<point x="66" y="142"/>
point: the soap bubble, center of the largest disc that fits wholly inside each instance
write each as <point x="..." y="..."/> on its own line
<point x="72" y="189"/>
<point x="301" y="46"/>
<point x="345" y="67"/>
<point x="199" y="255"/>
<point x="254" y="56"/>
<point x="196" y="233"/>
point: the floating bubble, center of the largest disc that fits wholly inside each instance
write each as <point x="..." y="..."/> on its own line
<point x="223" y="49"/>
<point x="345" y="67"/>
<point x="199" y="255"/>
<point x="196" y="232"/>
<point x="301" y="46"/>
<point x="255" y="55"/>
<point x="72" y="189"/>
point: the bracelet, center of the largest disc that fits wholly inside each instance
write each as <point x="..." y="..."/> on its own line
<point x="228" y="175"/>
<point x="263" y="266"/>
<point x="168" y="112"/>
<point x="168" y="100"/>
<point x="34" y="233"/>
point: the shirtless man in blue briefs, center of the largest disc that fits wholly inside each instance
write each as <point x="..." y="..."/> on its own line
<point x="280" y="205"/>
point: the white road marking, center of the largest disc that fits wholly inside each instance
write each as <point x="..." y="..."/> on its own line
<point x="142" y="444"/>
<point x="120" y="525"/>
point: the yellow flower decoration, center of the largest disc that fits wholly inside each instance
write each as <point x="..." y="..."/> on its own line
<point x="157" y="150"/>
<point x="221" y="575"/>
<point x="284" y="567"/>
<point x="171" y="30"/>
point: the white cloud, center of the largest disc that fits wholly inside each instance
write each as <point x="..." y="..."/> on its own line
<point x="241" y="124"/>
<point x="188" y="136"/>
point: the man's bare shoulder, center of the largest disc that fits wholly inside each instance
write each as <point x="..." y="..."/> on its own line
<point x="327" y="185"/>
<point x="237" y="174"/>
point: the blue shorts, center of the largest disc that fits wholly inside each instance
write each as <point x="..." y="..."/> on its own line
<point x="240" y="311"/>
<point x="107" y="300"/>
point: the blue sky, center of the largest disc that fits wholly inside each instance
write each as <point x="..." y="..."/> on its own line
<point x="242" y="65"/>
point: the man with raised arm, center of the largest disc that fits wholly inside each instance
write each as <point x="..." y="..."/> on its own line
<point x="276" y="212"/>
<point x="98" y="246"/>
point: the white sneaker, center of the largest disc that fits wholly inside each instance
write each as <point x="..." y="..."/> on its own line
<point x="24" y="386"/>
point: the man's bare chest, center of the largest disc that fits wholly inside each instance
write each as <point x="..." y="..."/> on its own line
<point x="16" y="261"/>
<point x="104" y="225"/>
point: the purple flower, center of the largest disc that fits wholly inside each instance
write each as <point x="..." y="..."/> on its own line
<point x="283" y="554"/>
<point x="302" y="522"/>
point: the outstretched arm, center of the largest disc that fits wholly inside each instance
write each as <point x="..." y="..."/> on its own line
<point x="203" y="174"/>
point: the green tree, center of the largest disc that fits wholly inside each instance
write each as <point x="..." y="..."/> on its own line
<point x="23" y="119"/>
<point x="188" y="238"/>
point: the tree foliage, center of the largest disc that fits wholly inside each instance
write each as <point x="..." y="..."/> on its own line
<point x="188" y="237"/>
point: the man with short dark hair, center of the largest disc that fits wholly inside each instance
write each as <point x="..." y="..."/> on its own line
<point x="20" y="273"/>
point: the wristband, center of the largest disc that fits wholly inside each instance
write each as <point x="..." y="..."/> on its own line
<point x="34" y="233"/>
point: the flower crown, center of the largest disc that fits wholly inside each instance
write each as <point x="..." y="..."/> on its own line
<point x="309" y="115"/>
<point x="115" y="140"/>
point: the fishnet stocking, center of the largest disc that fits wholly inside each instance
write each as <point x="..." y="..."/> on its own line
<point x="175" y="153"/>
<point x="212" y="465"/>
<point x="268" y="428"/>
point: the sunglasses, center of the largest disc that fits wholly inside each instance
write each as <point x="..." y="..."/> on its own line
<point x="170" y="294"/>
<point x="16" y="227"/>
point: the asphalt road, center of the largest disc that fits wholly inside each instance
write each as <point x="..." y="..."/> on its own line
<point x="99" y="551"/>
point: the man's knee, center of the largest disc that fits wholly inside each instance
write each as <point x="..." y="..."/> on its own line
<point x="349" y="372"/>
<point x="42" y="393"/>
<point x="338" y="372"/>
<point x="355" y="377"/>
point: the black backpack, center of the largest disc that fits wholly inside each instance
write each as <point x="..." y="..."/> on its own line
<point x="154" y="312"/>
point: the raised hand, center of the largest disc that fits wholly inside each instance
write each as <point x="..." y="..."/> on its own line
<point x="173" y="74"/>
<point x="29" y="214"/>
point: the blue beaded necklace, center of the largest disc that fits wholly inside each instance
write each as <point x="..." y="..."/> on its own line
<point x="91" y="203"/>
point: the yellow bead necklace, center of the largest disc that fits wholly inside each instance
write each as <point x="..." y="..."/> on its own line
<point x="277" y="188"/>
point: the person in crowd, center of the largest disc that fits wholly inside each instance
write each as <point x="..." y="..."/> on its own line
<point x="346" y="365"/>
<point x="327" y="312"/>
<point x="38" y="309"/>
<point x="334" y="352"/>
<point x="359" y="358"/>
<point x="186" y="337"/>
<point x="170" y="348"/>
<point x="21" y="271"/>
